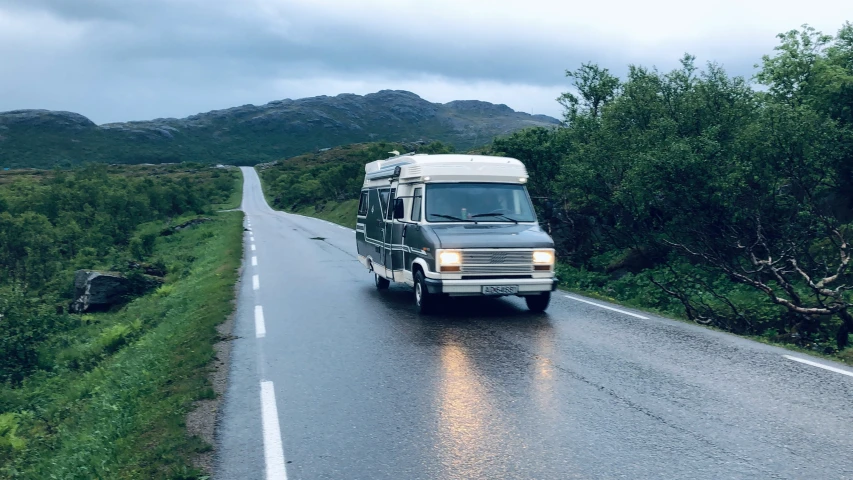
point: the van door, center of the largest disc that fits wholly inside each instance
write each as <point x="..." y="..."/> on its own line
<point x="388" y="234"/>
<point x="374" y="227"/>
<point x="361" y="245"/>
<point x="413" y="237"/>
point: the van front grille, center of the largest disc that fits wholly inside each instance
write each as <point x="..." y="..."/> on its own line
<point x="497" y="257"/>
<point x="494" y="269"/>
<point x="494" y="277"/>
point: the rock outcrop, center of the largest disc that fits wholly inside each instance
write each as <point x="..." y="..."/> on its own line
<point x="94" y="290"/>
<point x="188" y="224"/>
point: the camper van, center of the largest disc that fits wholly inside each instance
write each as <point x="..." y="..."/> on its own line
<point x="454" y="225"/>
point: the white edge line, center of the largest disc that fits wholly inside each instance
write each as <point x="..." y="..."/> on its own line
<point x="260" y="327"/>
<point x="256" y="282"/>
<point x="273" y="449"/>
<point x="608" y="308"/>
<point x="819" y="365"/>
<point x="254" y="261"/>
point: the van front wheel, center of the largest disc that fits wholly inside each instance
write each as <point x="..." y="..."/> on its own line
<point x="381" y="282"/>
<point x="424" y="300"/>
<point x="538" y="303"/>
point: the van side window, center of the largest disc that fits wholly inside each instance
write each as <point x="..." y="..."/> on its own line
<point x="362" y="204"/>
<point x="383" y="200"/>
<point x="416" y="205"/>
<point x="389" y="209"/>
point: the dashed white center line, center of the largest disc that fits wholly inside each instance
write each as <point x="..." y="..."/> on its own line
<point x="819" y="365"/>
<point x="254" y="261"/>
<point x="256" y="282"/>
<point x="253" y="248"/>
<point x="273" y="450"/>
<point x="606" y="307"/>
<point x="260" y="326"/>
<point x="252" y="239"/>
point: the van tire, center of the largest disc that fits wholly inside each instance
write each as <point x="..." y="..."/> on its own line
<point x="425" y="301"/>
<point x="381" y="282"/>
<point x="538" y="303"/>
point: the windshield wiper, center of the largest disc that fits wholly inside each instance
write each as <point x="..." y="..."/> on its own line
<point x="494" y="215"/>
<point x="449" y="217"/>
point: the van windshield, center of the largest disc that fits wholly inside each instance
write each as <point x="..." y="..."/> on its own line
<point x="481" y="202"/>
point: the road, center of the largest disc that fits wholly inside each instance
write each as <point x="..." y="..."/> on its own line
<point x="333" y="379"/>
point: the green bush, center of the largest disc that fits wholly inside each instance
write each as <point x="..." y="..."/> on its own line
<point x="22" y="329"/>
<point x="142" y="245"/>
<point x="9" y="441"/>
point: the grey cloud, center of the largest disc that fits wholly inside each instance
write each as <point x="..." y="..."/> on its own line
<point x="175" y="46"/>
<point x="202" y="33"/>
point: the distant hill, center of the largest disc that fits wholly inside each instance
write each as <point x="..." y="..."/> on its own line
<point x="255" y="134"/>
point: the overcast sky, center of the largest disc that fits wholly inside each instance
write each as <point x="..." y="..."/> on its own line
<point x="117" y="60"/>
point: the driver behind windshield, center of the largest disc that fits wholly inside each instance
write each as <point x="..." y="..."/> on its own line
<point x="477" y="202"/>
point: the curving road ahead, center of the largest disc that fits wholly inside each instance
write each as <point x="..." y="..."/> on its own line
<point x="332" y="379"/>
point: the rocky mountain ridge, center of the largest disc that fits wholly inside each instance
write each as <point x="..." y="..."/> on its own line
<point x="251" y="134"/>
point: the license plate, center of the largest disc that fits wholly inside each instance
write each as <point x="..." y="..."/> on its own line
<point x="500" y="290"/>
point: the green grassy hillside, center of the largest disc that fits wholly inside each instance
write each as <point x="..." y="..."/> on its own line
<point x="105" y="395"/>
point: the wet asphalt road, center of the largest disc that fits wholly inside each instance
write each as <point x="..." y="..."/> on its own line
<point x="365" y="388"/>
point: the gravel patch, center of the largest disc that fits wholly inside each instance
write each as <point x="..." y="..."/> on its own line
<point x="201" y="421"/>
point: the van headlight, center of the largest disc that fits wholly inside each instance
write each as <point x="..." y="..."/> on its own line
<point x="543" y="257"/>
<point x="449" y="258"/>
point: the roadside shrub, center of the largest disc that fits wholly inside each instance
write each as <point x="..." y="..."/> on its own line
<point x="142" y="245"/>
<point x="116" y="336"/>
<point x="9" y="442"/>
<point x="164" y="290"/>
<point x="847" y="354"/>
<point x="87" y="355"/>
<point x="140" y="283"/>
<point x="22" y="329"/>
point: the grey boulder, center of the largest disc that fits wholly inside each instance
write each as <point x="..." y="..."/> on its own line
<point x="97" y="290"/>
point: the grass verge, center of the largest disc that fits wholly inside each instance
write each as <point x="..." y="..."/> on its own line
<point x="236" y="197"/>
<point x="341" y="213"/>
<point x="123" y="416"/>
<point x="844" y="356"/>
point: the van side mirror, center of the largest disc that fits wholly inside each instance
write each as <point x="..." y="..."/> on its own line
<point x="398" y="209"/>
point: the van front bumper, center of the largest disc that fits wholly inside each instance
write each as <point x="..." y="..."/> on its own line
<point x="526" y="286"/>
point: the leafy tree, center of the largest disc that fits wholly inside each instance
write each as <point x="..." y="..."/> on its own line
<point x="595" y="87"/>
<point x="716" y="194"/>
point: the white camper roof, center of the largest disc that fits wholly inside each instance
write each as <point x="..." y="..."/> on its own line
<point x="412" y="168"/>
